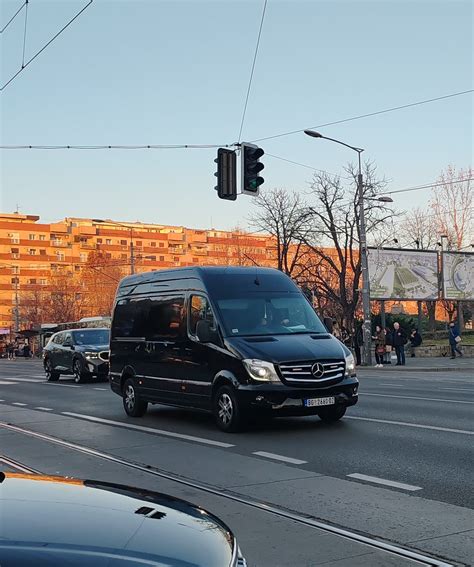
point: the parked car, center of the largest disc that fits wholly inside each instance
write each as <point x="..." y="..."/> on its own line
<point x="231" y="340"/>
<point x="99" y="524"/>
<point x="83" y="353"/>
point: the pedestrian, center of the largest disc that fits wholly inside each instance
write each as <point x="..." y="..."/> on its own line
<point x="454" y="339"/>
<point x="11" y="350"/>
<point x="388" y="346"/>
<point x="346" y="337"/>
<point x="379" y="338"/>
<point x="358" y="341"/>
<point x="336" y="331"/>
<point x="399" y="339"/>
<point x="415" y="341"/>
<point x="26" y="350"/>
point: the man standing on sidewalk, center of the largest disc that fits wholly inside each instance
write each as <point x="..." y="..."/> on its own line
<point x="454" y="339"/>
<point x="399" y="339"/>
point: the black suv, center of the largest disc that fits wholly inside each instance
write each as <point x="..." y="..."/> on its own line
<point x="81" y="352"/>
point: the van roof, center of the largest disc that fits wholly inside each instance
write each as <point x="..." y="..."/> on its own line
<point x="209" y="277"/>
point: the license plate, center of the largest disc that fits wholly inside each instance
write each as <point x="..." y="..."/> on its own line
<point x="319" y="402"/>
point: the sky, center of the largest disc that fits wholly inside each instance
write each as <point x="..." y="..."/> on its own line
<point x="176" y="72"/>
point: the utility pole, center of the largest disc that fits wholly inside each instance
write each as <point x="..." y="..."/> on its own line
<point x="417" y="242"/>
<point x="132" y="254"/>
<point x="17" y="305"/>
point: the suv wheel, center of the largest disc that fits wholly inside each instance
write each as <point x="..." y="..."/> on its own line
<point x="332" y="414"/>
<point x="133" y="405"/>
<point x="78" y="372"/>
<point x="227" y="412"/>
<point x="51" y="374"/>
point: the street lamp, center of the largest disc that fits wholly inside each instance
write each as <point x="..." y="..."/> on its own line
<point x="130" y="228"/>
<point x="366" y="327"/>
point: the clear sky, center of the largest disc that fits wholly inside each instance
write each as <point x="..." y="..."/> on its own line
<point x="176" y="72"/>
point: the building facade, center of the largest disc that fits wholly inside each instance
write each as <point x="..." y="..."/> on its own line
<point x="32" y="253"/>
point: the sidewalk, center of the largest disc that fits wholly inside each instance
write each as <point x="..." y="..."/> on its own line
<point x="433" y="364"/>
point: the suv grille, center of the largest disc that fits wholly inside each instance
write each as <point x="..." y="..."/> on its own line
<point x="312" y="372"/>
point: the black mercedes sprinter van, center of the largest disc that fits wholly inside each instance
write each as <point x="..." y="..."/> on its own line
<point x="230" y="340"/>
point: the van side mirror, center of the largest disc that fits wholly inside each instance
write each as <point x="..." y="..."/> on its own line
<point x="204" y="332"/>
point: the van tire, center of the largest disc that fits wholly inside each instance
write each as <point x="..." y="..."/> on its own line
<point x="332" y="414"/>
<point x="132" y="404"/>
<point x="226" y="409"/>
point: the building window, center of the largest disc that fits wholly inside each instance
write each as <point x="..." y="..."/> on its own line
<point x="83" y="257"/>
<point x="32" y="251"/>
<point x="108" y="255"/>
<point x="153" y="244"/>
<point x="15" y="270"/>
<point x="176" y="258"/>
<point x="153" y="258"/>
<point x="138" y="243"/>
<point x="60" y="256"/>
<point x="42" y="237"/>
<point x="15" y="280"/>
<point x="123" y="256"/>
<point x="99" y="241"/>
<point x="32" y="281"/>
<point x="15" y="238"/>
<point x="43" y="252"/>
<point x="108" y="241"/>
<point x="31" y="236"/>
<point x="77" y="268"/>
<point x="43" y="281"/>
<point x="123" y="243"/>
<point x="162" y="258"/>
<point x="162" y="244"/>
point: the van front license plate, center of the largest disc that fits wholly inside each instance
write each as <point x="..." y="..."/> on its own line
<point x="319" y="402"/>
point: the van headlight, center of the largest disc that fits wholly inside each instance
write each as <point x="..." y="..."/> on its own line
<point x="350" y="365"/>
<point x="261" y="370"/>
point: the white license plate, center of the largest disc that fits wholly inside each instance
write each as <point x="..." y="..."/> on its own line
<point x="319" y="402"/>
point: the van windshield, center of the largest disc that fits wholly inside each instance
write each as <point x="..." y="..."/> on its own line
<point x="268" y="313"/>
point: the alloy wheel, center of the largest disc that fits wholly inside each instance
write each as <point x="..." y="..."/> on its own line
<point x="129" y="397"/>
<point x="226" y="408"/>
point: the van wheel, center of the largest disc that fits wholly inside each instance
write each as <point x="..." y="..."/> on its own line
<point x="133" y="405"/>
<point x="227" y="412"/>
<point x="51" y="375"/>
<point x="332" y="414"/>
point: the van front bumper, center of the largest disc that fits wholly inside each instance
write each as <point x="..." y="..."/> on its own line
<point x="280" y="399"/>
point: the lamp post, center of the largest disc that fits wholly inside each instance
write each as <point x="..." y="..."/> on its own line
<point x="130" y="228"/>
<point x="366" y="327"/>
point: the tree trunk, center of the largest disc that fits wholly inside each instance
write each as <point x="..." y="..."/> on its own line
<point x="460" y="316"/>
<point x="431" y="310"/>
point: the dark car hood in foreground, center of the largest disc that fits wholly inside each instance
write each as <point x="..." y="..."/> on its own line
<point x="288" y="348"/>
<point x="94" y="523"/>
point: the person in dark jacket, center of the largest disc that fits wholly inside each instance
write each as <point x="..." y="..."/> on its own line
<point x="399" y="339"/>
<point x="415" y="341"/>
<point x="388" y="346"/>
<point x="454" y="339"/>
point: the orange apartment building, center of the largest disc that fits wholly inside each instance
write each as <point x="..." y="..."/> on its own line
<point x="31" y="251"/>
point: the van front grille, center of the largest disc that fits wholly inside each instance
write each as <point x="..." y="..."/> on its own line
<point x="312" y="372"/>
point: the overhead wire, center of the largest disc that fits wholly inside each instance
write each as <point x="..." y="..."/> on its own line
<point x="252" y="70"/>
<point x="25" y="65"/>
<point x="117" y="147"/>
<point x="367" y="115"/>
<point x="24" y="34"/>
<point x="13" y="17"/>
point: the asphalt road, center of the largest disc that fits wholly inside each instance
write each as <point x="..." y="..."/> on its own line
<point x="397" y="467"/>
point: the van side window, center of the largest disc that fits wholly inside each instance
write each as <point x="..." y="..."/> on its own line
<point x="199" y="309"/>
<point x="129" y="318"/>
<point x="166" y="318"/>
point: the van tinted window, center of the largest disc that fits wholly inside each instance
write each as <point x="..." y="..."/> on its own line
<point x="199" y="310"/>
<point x="152" y="318"/>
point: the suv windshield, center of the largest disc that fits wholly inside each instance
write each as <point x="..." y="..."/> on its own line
<point x="268" y="314"/>
<point x="91" y="337"/>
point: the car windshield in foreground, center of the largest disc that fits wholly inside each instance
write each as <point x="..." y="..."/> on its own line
<point x="269" y="313"/>
<point x="93" y="337"/>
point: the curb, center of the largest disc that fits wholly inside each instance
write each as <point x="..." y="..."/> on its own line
<point x="405" y="369"/>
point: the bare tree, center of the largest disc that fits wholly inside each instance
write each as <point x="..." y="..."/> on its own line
<point x="334" y="238"/>
<point x="284" y="215"/>
<point x="66" y="299"/>
<point x="452" y="205"/>
<point x="100" y="278"/>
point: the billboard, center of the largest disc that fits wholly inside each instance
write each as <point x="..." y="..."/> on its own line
<point x="458" y="275"/>
<point x="403" y="274"/>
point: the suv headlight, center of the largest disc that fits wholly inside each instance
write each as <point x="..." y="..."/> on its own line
<point x="261" y="370"/>
<point x="350" y="365"/>
<point x="91" y="355"/>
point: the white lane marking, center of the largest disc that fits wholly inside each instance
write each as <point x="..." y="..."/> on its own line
<point x="6" y="383"/>
<point x="385" y="482"/>
<point x="62" y="385"/>
<point x="394" y="385"/>
<point x="101" y="389"/>
<point x="417" y="425"/>
<point x="23" y="380"/>
<point x="416" y="398"/>
<point x="279" y="457"/>
<point x="149" y="429"/>
<point x="459" y="389"/>
<point x="2" y="400"/>
<point x="19" y="404"/>
<point x="43" y="409"/>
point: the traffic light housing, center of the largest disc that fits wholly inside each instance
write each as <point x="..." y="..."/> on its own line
<point x="251" y="168"/>
<point x="226" y="174"/>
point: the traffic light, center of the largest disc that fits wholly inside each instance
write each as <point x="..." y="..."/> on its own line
<point x="226" y="174"/>
<point x="251" y="168"/>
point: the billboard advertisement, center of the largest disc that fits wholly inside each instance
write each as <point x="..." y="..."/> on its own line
<point x="403" y="274"/>
<point x="458" y="276"/>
